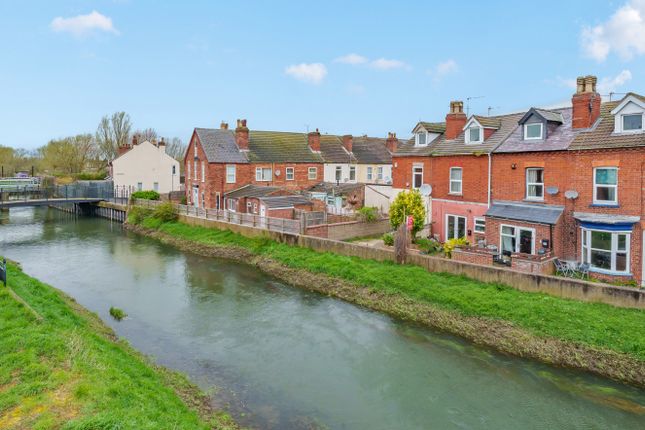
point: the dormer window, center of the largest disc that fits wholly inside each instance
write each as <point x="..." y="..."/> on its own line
<point x="474" y="134"/>
<point x="422" y="138"/>
<point x="533" y="131"/>
<point x="633" y="122"/>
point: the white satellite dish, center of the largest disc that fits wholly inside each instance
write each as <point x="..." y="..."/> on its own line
<point x="425" y="190"/>
<point x="571" y="194"/>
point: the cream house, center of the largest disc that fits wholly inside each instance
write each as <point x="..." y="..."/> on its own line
<point x="360" y="159"/>
<point x="145" y="166"/>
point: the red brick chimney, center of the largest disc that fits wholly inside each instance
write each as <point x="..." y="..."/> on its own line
<point x="348" y="141"/>
<point x="224" y="125"/>
<point x="455" y="120"/>
<point x="135" y="140"/>
<point x="122" y="150"/>
<point x="391" y="142"/>
<point x="242" y="135"/>
<point x="586" y="102"/>
<point x="314" y="140"/>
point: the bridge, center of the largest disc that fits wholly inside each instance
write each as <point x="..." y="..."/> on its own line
<point x="34" y="194"/>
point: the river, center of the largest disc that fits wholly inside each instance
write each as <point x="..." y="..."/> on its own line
<point x="284" y="358"/>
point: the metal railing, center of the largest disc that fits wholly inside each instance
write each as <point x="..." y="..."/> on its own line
<point x="281" y="225"/>
<point x="37" y="194"/>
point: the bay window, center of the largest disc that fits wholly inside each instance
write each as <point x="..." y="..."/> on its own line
<point x="606" y="250"/>
<point x="605" y="185"/>
<point x="535" y="184"/>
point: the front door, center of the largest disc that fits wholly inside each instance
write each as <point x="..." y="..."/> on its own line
<point x="196" y="196"/>
<point x="517" y="239"/>
<point x="455" y="226"/>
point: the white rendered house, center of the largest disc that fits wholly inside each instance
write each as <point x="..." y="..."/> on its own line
<point x="145" y="166"/>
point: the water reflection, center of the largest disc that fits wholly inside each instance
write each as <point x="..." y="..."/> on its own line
<point x="285" y="358"/>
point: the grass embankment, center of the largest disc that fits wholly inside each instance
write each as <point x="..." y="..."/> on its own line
<point x="60" y="367"/>
<point x="591" y="336"/>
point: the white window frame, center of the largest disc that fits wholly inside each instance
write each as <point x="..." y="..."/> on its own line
<point x="526" y="135"/>
<point x="456" y="181"/>
<point x="595" y="187"/>
<point x="467" y="138"/>
<point x="516" y="236"/>
<point x="289" y="174"/>
<point x="379" y="173"/>
<point x="479" y="225"/>
<point x="529" y="184"/>
<point x="414" y="174"/>
<point x="259" y="174"/>
<point x="585" y="250"/>
<point x="338" y="173"/>
<point x="417" y="136"/>
<point x="456" y="217"/>
<point x="155" y="186"/>
<point x="312" y="173"/>
<point x="352" y="173"/>
<point x="203" y="171"/>
<point x="637" y="130"/>
<point x="370" y="173"/>
<point x="231" y="176"/>
<point x="139" y="186"/>
<point x="229" y="205"/>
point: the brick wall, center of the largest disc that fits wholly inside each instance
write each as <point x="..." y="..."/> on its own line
<point x="402" y="170"/>
<point x="474" y="257"/>
<point x="474" y="177"/>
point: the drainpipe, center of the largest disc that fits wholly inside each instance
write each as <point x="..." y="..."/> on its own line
<point x="489" y="177"/>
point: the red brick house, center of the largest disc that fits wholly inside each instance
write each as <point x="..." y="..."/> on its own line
<point x="218" y="161"/>
<point x="267" y="201"/>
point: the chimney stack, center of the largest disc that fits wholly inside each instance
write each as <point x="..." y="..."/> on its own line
<point x="348" y="141"/>
<point x="162" y="145"/>
<point x="135" y="140"/>
<point x="242" y="135"/>
<point x="223" y="125"/>
<point x="391" y="142"/>
<point x="313" y="139"/>
<point x="455" y="120"/>
<point x="586" y="102"/>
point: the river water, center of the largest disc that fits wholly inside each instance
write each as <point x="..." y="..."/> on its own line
<point x="284" y="358"/>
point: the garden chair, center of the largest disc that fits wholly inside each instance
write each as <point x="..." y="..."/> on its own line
<point x="562" y="268"/>
<point x="583" y="270"/>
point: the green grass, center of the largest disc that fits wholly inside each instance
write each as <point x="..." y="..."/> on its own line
<point x="117" y="314"/>
<point x="593" y="324"/>
<point x="68" y="372"/>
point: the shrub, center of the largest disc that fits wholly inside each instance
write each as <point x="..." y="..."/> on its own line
<point x="368" y="214"/>
<point x="454" y="243"/>
<point x="137" y="214"/>
<point x="91" y="176"/>
<point x="117" y="313"/>
<point x="430" y="246"/>
<point x="146" y="195"/>
<point x="184" y="200"/>
<point x="388" y="239"/>
<point x="408" y="203"/>
<point x="165" y="212"/>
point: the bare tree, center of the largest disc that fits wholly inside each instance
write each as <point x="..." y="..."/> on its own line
<point x="111" y="133"/>
<point x="149" y="134"/>
<point x="176" y="148"/>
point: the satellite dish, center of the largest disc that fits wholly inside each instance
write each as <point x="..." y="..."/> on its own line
<point x="425" y="190"/>
<point x="277" y="172"/>
<point x="571" y="194"/>
<point x="552" y="190"/>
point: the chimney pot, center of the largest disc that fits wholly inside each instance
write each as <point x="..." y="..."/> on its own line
<point x="586" y="102"/>
<point x="242" y="135"/>
<point x="313" y="139"/>
<point x="223" y="125"/>
<point x="391" y="142"/>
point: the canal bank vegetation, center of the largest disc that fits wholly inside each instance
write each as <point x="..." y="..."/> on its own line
<point x="592" y="336"/>
<point x="61" y="367"/>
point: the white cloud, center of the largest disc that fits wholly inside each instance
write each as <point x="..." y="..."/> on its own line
<point x="608" y="85"/>
<point x="312" y="73"/>
<point x="83" y="24"/>
<point x="443" y="69"/>
<point x="352" y="59"/>
<point x="385" y="64"/>
<point x="623" y="33"/>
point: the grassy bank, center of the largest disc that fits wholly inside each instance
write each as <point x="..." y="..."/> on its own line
<point x="607" y="334"/>
<point x="61" y="367"/>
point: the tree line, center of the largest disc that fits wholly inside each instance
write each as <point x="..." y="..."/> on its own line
<point x="85" y="153"/>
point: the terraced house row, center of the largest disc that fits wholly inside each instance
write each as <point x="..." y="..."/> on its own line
<point x="532" y="186"/>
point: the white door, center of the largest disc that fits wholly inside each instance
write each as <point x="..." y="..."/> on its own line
<point x="196" y="197"/>
<point x="263" y="214"/>
<point x="455" y="226"/>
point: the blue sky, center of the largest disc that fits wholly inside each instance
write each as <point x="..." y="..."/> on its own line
<point x="174" y="66"/>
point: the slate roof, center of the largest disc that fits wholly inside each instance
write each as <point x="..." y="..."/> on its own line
<point x="406" y="148"/>
<point x="535" y="213"/>
<point x="370" y="150"/>
<point x="333" y="151"/>
<point x="219" y="146"/>
<point x="605" y="218"/>
<point x="251" y="190"/>
<point x="558" y="138"/>
<point x="507" y="124"/>
<point x="601" y="135"/>
<point x="433" y="127"/>
<point x="285" y="201"/>
<point x="333" y="188"/>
